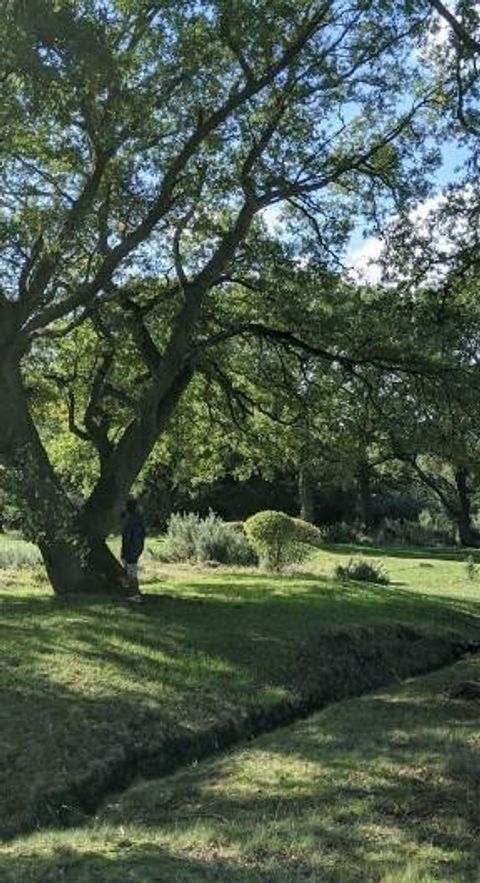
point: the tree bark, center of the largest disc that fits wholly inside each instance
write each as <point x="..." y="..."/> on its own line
<point x="76" y="562"/>
<point x="467" y="533"/>
<point x="81" y="565"/>
<point x="305" y="493"/>
<point x="101" y="514"/>
<point x="365" y="495"/>
<point x="84" y="563"/>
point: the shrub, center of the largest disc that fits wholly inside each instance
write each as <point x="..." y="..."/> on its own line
<point x="271" y="535"/>
<point x="341" y="532"/>
<point x="392" y="532"/>
<point x="191" y="538"/>
<point x="236" y="526"/>
<point x="307" y="533"/>
<point x="158" y="550"/>
<point x="181" y="536"/>
<point x="217" y="541"/>
<point x="425" y="532"/>
<point x="362" y="571"/>
<point x="279" y="539"/>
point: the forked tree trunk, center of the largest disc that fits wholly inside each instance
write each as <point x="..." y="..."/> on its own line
<point x="73" y="542"/>
<point x="456" y="501"/>
<point x="102" y="510"/>
<point x="76" y="561"/>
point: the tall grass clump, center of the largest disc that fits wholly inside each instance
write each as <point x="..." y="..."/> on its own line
<point x="362" y="572"/>
<point x="15" y="554"/>
<point x="192" y="538"/>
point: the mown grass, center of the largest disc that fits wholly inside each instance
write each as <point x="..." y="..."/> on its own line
<point x="381" y="788"/>
<point x="86" y="681"/>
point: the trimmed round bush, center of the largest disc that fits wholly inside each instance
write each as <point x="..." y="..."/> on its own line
<point x="279" y="539"/>
<point x="307" y="533"/>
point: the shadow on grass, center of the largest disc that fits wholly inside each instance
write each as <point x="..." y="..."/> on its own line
<point x="440" y="553"/>
<point x="145" y="863"/>
<point x="225" y="618"/>
<point x="354" y="794"/>
<point x="366" y="786"/>
<point x="88" y="682"/>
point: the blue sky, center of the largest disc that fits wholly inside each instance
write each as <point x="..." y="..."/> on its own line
<point x="453" y="157"/>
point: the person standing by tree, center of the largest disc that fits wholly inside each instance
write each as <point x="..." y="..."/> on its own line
<point x="133" y="542"/>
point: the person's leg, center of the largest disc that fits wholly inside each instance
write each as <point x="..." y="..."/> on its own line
<point x="126" y="580"/>
<point x="134" y="593"/>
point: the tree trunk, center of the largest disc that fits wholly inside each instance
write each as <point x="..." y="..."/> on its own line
<point x="73" y="543"/>
<point x="102" y="510"/>
<point x="82" y="565"/>
<point x="305" y="493"/>
<point x="75" y="560"/>
<point x="467" y="534"/>
<point x="95" y="568"/>
<point x="365" y="495"/>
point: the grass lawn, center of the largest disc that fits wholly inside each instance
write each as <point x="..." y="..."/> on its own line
<point x="88" y="682"/>
<point x="381" y="788"/>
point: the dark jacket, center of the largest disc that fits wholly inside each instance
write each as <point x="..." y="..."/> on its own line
<point x="133" y="538"/>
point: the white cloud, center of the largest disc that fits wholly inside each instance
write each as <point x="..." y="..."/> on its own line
<point x="363" y="263"/>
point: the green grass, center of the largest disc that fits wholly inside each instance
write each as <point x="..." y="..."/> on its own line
<point x="382" y="788"/>
<point x="86" y="682"/>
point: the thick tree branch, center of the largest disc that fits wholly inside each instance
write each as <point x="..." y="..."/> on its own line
<point x="48" y="263"/>
<point x="470" y="43"/>
<point x="28" y="267"/>
<point x="465" y="121"/>
<point x="150" y="353"/>
<point x="72" y="424"/>
<point x="350" y="361"/>
<point x="442" y="493"/>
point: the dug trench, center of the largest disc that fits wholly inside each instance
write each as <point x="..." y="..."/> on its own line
<point x="329" y="667"/>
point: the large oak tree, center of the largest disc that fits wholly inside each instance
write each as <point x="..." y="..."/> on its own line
<point x="141" y="141"/>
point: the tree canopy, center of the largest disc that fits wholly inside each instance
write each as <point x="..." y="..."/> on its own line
<point x="146" y="147"/>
